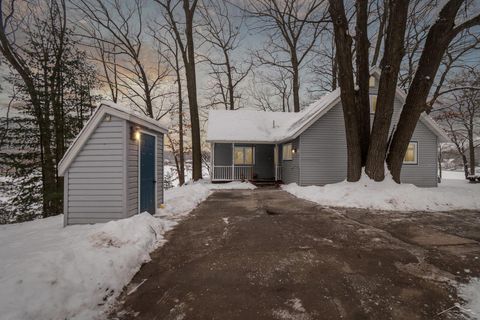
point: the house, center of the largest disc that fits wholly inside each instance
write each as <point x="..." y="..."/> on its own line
<point x="114" y="168"/>
<point x="309" y="147"/>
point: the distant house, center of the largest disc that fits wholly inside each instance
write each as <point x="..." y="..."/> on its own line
<point x="309" y="147"/>
<point x="114" y="168"/>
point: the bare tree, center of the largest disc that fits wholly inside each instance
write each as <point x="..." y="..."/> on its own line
<point x="37" y="44"/>
<point x="440" y="34"/>
<point x="222" y="31"/>
<point x="183" y="31"/>
<point x="292" y="28"/>
<point x="460" y="116"/>
<point x="171" y="53"/>
<point x="138" y="71"/>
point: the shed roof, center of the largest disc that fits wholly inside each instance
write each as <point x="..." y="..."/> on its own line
<point x="111" y="108"/>
<point x="249" y="126"/>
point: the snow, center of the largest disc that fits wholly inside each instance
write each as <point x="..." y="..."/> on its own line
<point x="262" y="126"/>
<point x="470" y="292"/>
<point x="248" y="126"/>
<point x="388" y="195"/>
<point x="51" y="272"/>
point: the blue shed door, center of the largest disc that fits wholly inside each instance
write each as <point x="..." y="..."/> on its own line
<point x="147" y="173"/>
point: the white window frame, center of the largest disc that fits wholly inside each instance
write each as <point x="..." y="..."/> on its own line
<point x="289" y="156"/>
<point x="371" y="97"/>
<point x="415" y="161"/>
<point x="243" y="152"/>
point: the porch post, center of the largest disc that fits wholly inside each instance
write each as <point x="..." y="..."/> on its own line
<point x="275" y="160"/>
<point x="233" y="161"/>
<point x="212" y="161"/>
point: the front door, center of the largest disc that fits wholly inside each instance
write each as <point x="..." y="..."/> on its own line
<point x="264" y="162"/>
<point x="147" y="173"/>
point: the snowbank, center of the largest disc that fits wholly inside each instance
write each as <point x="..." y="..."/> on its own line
<point x="388" y="195"/>
<point x="51" y="272"/>
<point x="470" y="292"/>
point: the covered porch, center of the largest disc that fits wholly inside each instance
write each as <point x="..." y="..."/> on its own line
<point x="242" y="161"/>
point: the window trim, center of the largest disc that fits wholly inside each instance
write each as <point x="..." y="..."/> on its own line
<point x="243" y="153"/>
<point x="372" y="82"/>
<point x="415" y="162"/>
<point x="290" y="158"/>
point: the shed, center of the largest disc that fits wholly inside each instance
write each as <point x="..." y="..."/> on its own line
<point x="114" y="167"/>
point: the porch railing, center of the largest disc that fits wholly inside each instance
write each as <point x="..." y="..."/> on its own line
<point x="225" y="173"/>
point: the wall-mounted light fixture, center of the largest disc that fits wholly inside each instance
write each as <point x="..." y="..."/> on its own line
<point x="294" y="150"/>
<point x="134" y="133"/>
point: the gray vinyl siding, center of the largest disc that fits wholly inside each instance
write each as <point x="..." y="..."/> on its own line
<point x="95" y="179"/>
<point x="132" y="171"/>
<point x="160" y="193"/>
<point x="291" y="168"/>
<point x="133" y="167"/>
<point x="425" y="173"/>
<point x="323" y="150"/>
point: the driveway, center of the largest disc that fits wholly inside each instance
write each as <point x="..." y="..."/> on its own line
<point x="264" y="254"/>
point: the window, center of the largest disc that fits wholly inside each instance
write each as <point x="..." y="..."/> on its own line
<point x="373" y="103"/>
<point x="243" y="155"/>
<point x="411" y="154"/>
<point x="287" y="151"/>
<point x="371" y="82"/>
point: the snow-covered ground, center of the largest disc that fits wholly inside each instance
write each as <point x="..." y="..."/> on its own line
<point x="51" y="272"/>
<point x="470" y="292"/>
<point x="453" y="193"/>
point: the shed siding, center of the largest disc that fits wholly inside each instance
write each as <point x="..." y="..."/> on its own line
<point x="160" y="198"/>
<point x="291" y="168"/>
<point x="95" y="178"/>
<point x="323" y="151"/>
<point x="132" y="170"/>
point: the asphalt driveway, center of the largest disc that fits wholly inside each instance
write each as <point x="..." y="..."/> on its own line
<point x="264" y="254"/>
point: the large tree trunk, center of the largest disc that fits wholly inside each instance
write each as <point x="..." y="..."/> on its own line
<point x="192" y="93"/>
<point x="343" y="42"/>
<point x="438" y="39"/>
<point x="362" y="46"/>
<point x="231" y="89"/>
<point x="181" y="166"/>
<point x="471" y="151"/>
<point x="295" y="82"/>
<point x="392" y="58"/>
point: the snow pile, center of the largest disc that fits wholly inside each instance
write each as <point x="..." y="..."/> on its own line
<point x="470" y="292"/>
<point x="388" y="195"/>
<point x="51" y="272"/>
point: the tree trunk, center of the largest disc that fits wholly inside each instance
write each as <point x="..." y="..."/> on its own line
<point x="465" y="164"/>
<point x="438" y="39"/>
<point x="392" y="58"/>
<point x="343" y="42"/>
<point x="192" y="94"/>
<point x="181" y="166"/>
<point x="471" y="151"/>
<point x="295" y="82"/>
<point x="231" y="95"/>
<point x="363" y="73"/>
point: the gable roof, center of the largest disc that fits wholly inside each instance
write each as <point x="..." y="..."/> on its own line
<point x="246" y="126"/>
<point x="111" y="108"/>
